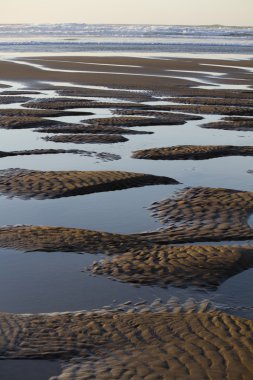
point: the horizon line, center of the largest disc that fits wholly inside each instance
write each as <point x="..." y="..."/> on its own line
<point x="125" y="24"/>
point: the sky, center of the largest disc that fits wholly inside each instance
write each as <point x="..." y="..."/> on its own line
<point x="168" y="12"/>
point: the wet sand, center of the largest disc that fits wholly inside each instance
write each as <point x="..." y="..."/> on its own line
<point x="187" y="342"/>
<point x="231" y="124"/>
<point x="193" y="152"/>
<point x="204" y="214"/>
<point x="139" y="341"/>
<point x="42" y="185"/>
<point x="87" y="139"/>
<point x="152" y="67"/>
<point x="13" y="99"/>
<point x="202" y="266"/>
<point x="92" y="129"/>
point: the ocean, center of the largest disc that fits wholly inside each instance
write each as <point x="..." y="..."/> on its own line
<point x="125" y="39"/>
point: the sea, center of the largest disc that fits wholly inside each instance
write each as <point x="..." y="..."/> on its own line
<point x="125" y="39"/>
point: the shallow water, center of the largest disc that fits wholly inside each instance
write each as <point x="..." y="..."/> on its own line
<point x="58" y="280"/>
<point x="33" y="369"/>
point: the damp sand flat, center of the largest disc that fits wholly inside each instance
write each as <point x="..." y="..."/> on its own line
<point x="14" y="71"/>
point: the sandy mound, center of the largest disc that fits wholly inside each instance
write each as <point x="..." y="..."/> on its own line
<point x="231" y="124"/>
<point x="87" y="139"/>
<point x="204" y="214"/>
<point x="56" y="184"/>
<point x="102" y="156"/>
<point x="193" y="152"/>
<point x="140" y="345"/>
<point x="13" y="99"/>
<point x="53" y="239"/>
<point x="62" y="104"/>
<point x="208" y="109"/>
<point x="92" y="129"/>
<point x="235" y="102"/>
<point x="205" y="266"/>
<point x="135" y="121"/>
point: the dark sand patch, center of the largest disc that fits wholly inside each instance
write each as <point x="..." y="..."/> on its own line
<point x="103" y="156"/>
<point x="23" y="122"/>
<point x="27" y="122"/>
<point x="62" y="104"/>
<point x="56" y="184"/>
<point x="231" y="125"/>
<point x="189" y="92"/>
<point x="237" y="118"/>
<point x="146" y="344"/>
<point x="61" y="239"/>
<point x="205" y="266"/>
<point x="171" y="118"/>
<point x="40" y="151"/>
<point x="87" y="139"/>
<point x="93" y="129"/>
<point x="207" y="109"/>
<point x="214" y="101"/>
<point x="135" y="121"/>
<point x="204" y="214"/>
<point x="20" y="92"/>
<point x="13" y="99"/>
<point x="109" y="93"/>
<point x="23" y="112"/>
<point x="193" y="152"/>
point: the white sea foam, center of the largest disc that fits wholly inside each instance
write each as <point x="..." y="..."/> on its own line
<point x="125" y="38"/>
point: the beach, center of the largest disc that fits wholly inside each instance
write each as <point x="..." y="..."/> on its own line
<point x="126" y="231"/>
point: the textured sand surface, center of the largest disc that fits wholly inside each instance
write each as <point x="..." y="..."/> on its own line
<point x="204" y="214"/>
<point x="205" y="266"/>
<point x="231" y="125"/>
<point x="23" y="112"/>
<point x="62" y="104"/>
<point x="13" y="99"/>
<point x="56" y="184"/>
<point x="24" y="122"/>
<point x="93" y="129"/>
<point x="87" y="139"/>
<point x="207" y="109"/>
<point x="141" y="345"/>
<point x="135" y="121"/>
<point x="172" y="118"/>
<point x="214" y="101"/>
<point x="193" y="152"/>
<point x="53" y="239"/>
<point x="110" y="93"/>
<point x="103" y="155"/>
